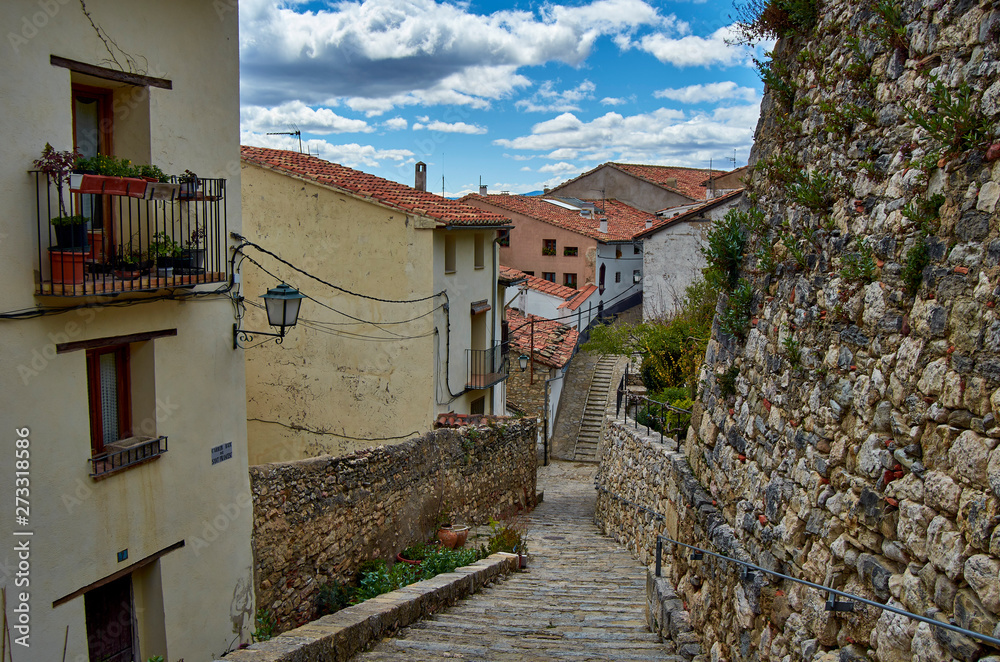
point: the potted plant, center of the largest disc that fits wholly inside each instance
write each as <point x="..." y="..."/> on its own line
<point x="107" y="175"/>
<point x="69" y="228"/>
<point x="194" y="253"/>
<point x="128" y="264"/>
<point x="166" y="252"/>
<point x="190" y="183"/>
<point x="415" y="554"/>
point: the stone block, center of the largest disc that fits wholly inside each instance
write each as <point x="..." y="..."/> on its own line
<point x="982" y="572"/>
<point x="941" y="492"/>
<point x="946" y="547"/>
<point x="969" y="455"/>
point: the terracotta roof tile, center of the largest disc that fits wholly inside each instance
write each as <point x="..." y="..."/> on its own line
<point x="510" y="275"/>
<point x="624" y="222"/>
<point x="453" y="420"/>
<point x="554" y="342"/>
<point x="387" y="192"/>
<point x="689" y="181"/>
<point x="550" y="288"/>
<point x="581" y="296"/>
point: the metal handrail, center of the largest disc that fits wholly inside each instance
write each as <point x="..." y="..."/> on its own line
<point x="831" y="603"/>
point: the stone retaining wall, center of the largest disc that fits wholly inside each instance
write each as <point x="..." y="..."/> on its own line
<point x="317" y="520"/>
<point x="847" y="427"/>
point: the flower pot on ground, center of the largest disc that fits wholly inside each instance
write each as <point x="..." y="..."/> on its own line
<point x="95" y="239"/>
<point x="453" y="535"/>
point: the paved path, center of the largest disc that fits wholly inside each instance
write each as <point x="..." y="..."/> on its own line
<point x="582" y="597"/>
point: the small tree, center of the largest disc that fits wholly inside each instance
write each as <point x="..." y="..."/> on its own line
<point x="57" y="166"/>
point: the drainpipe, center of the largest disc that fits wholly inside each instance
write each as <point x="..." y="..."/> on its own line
<point x="495" y="248"/>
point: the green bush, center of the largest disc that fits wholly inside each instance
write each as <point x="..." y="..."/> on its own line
<point x="726" y="243"/>
<point x="953" y="121"/>
<point x="913" y="271"/>
<point x="760" y="20"/>
<point x="735" y="319"/>
<point x="858" y="266"/>
<point x="333" y="597"/>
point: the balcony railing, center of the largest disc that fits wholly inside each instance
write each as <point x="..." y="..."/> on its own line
<point x="486" y="367"/>
<point x="148" y="237"/>
<point x="126" y="453"/>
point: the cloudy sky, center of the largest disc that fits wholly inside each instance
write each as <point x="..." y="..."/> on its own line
<point x="521" y="94"/>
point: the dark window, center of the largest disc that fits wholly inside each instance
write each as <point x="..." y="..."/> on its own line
<point x="530" y="273"/>
<point x="110" y="392"/>
<point x="618" y="276"/>
<point x="570" y="251"/>
<point x="618" y="252"/>
<point x="504" y="238"/>
<point x="549" y="276"/>
<point x="601" y="280"/>
<point x="569" y="280"/>
<point x="478" y="406"/>
<point x="636" y="249"/>
<point x="548" y="246"/>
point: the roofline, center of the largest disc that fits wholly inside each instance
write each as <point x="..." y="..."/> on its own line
<point x="562" y="227"/>
<point x="695" y="211"/>
<point x="477" y="227"/>
<point x="615" y="164"/>
<point x="356" y="196"/>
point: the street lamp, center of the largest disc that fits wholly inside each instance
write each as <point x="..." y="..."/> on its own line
<point x="282" y="304"/>
<point x="523" y="362"/>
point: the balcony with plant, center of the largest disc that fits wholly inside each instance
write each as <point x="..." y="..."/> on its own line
<point x="108" y="226"/>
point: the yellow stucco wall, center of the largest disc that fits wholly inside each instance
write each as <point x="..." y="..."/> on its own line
<point x="189" y="387"/>
<point x="344" y="384"/>
<point x="336" y="385"/>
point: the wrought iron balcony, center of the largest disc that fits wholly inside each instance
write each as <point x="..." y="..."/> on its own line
<point x="126" y="453"/>
<point x="486" y="367"/>
<point x="140" y="236"/>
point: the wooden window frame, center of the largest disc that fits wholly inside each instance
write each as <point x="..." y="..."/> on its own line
<point x="124" y="386"/>
<point x="571" y="251"/>
<point x="567" y="278"/>
<point x="546" y="274"/>
<point x="548" y="246"/>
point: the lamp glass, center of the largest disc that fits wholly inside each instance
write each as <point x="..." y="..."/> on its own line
<point x="523" y="362"/>
<point x="282" y="304"/>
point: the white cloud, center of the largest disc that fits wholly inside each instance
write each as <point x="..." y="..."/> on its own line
<point x="613" y="101"/>
<point x="380" y="54"/>
<point x="661" y="136"/>
<point x="352" y="155"/>
<point x="445" y="127"/>
<point x="301" y="116"/>
<point x="708" y="92"/>
<point x="562" y="168"/>
<point x="395" y="124"/>
<point x="691" y="50"/>
<point x="547" y="99"/>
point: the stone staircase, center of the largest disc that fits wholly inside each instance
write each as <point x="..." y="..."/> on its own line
<point x="588" y="440"/>
<point x="581" y="598"/>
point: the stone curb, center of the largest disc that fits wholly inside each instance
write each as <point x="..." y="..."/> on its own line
<point x="339" y="636"/>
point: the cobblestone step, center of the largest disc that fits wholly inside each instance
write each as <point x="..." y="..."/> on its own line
<point x="581" y="598"/>
<point x="592" y="424"/>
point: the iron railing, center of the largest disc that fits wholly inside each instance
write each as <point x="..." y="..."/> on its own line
<point x="486" y="367"/>
<point x="748" y="568"/>
<point x="152" y="236"/>
<point x="671" y="419"/>
<point x="126" y="453"/>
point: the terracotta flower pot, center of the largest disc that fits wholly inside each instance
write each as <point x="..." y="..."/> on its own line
<point x="453" y="536"/>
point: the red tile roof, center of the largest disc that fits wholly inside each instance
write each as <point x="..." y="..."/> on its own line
<point x="688" y="180"/>
<point x="453" y="420"/>
<point x="510" y="275"/>
<point x="581" y="296"/>
<point x="554" y="342"/>
<point x="387" y="192"/>
<point x="689" y="215"/>
<point x="624" y="222"/>
<point x="550" y="288"/>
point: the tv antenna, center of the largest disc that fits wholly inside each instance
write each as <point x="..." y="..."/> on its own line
<point x="733" y="158"/>
<point x="296" y="133"/>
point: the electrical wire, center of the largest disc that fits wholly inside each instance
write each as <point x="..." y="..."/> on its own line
<point x="247" y="242"/>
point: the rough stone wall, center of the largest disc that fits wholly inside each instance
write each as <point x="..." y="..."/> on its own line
<point x="859" y="449"/>
<point x="317" y="520"/>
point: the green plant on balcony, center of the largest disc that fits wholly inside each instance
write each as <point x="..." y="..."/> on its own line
<point x="109" y="166"/>
<point x="162" y="245"/>
<point x="57" y="165"/>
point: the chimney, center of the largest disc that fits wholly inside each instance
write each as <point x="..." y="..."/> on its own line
<point x="482" y="189"/>
<point x="671" y="182"/>
<point x="604" y="226"/>
<point x="546" y="190"/>
<point x="420" y="176"/>
<point x="649" y="223"/>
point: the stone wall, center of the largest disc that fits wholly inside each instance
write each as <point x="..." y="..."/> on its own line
<point x="317" y="520"/>
<point x="858" y="448"/>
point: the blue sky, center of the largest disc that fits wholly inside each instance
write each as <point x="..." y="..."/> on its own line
<point x="522" y="95"/>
